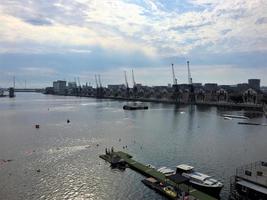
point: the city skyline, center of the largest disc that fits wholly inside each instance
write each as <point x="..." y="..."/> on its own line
<point x="225" y="42"/>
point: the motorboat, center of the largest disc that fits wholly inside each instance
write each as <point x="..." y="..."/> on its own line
<point x="166" y="171"/>
<point x="166" y="190"/>
<point x="199" y="180"/>
<point x="235" y="116"/>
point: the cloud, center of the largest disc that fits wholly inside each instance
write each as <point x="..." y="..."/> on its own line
<point x="33" y="71"/>
<point x="108" y="34"/>
<point x="147" y="26"/>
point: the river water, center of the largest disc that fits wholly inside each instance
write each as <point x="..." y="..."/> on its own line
<point x="67" y="153"/>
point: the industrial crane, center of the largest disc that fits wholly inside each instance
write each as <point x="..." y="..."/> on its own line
<point x="126" y="82"/>
<point x="173" y="76"/>
<point x="190" y="82"/>
<point x="191" y="98"/>
<point x="127" y="85"/>
<point x="99" y="81"/>
<point x="134" y="85"/>
<point x="96" y="82"/>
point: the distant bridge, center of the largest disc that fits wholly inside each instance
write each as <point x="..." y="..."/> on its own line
<point x="29" y="90"/>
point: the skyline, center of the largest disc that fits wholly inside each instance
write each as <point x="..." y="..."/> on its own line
<point x="42" y="41"/>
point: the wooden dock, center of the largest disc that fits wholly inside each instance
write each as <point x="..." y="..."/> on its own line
<point x="150" y="172"/>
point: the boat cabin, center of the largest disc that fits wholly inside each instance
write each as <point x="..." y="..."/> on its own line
<point x="184" y="168"/>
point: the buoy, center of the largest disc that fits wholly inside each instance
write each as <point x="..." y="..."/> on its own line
<point x="68" y="121"/>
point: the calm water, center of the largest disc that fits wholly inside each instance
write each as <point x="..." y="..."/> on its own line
<point x="67" y="154"/>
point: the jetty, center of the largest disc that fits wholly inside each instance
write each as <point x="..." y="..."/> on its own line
<point x="119" y="157"/>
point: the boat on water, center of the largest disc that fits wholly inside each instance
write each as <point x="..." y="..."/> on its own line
<point x="166" y="171"/>
<point x="235" y="116"/>
<point x="166" y="190"/>
<point x="135" y="106"/>
<point x="199" y="180"/>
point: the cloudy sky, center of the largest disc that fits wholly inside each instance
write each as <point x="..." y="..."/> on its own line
<point x="45" y="40"/>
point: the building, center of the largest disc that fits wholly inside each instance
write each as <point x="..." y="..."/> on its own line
<point x="242" y="86"/>
<point x="116" y="87"/>
<point x="250" y="182"/>
<point x="254" y="83"/>
<point x="211" y="86"/>
<point x="72" y="85"/>
<point x="60" y="87"/>
<point x="1" y="92"/>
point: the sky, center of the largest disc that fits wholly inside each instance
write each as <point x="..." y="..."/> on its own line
<point x="46" y="40"/>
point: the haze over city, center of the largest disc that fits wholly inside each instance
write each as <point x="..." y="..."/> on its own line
<point x="42" y="41"/>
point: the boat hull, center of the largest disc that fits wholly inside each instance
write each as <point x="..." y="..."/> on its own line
<point x="213" y="191"/>
<point x="158" y="188"/>
<point x="135" y="107"/>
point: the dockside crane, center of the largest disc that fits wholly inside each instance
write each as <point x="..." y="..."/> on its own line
<point x="99" y="81"/>
<point x="190" y="82"/>
<point x="126" y="82"/>
<point x="176" y="94"/>
<point x="100" y="89"/>
<point x="191" y="98"/>
<point x="134" y="85"/>
<point x="96" y="82"/>
<point x="79" y="86"/>
<point x="127" y="85"/>
<point x="173" y="76"/>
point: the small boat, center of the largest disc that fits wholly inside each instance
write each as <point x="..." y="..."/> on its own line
<point x="252" y="123"/>
<point x="236" y="116"/>
<point x="227" y="118"/>
<point x="161" y="188"/>
<point x="166" y="171"/>
<point x="135" y="106"/>
<point x="200" y="181"/>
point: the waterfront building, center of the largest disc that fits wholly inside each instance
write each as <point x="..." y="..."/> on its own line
<point x="211" y="87"/>
<point x="72" y="85"/>
<point x="250" y="182"/>
<point x="60" y="87"/>
<point x="1" y="92"/>
<point x="254" y="83"/>
<point x="242" y="86"/>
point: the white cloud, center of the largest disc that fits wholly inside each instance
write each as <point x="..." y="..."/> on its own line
<point x="219" y="26"/>
<point x="36" y="71"/>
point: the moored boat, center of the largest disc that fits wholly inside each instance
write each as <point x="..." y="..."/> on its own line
<point x="235" y="116"/>
<point x="135" y="106"/>
<point x="166" y="171"/>
<point x="199" y="180"/>
<point x="161" y="188"/>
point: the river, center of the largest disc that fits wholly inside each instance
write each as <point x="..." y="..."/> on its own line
<point x="60" y="160"/>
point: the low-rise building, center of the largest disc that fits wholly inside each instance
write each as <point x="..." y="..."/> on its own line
<point x="60" y="87"/>
<point x="250" y="182"/>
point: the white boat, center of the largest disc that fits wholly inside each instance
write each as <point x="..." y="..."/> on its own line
<point x="200" y="181"/>
<point x="166" y="171"/>
<point x="236" y="116"/>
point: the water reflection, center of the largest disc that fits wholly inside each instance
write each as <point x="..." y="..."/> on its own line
<point x="67" y="154"/>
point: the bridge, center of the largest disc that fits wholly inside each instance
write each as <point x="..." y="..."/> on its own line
<point x="26" y="89"/>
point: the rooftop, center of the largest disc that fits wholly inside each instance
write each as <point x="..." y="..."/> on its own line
<point x="185" y="167"/>
<point x="255" y="172"/>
